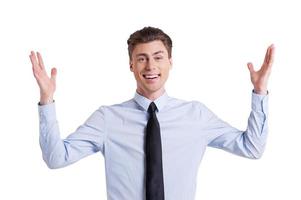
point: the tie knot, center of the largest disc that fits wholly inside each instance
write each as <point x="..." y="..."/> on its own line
<point x="152" y="108"/>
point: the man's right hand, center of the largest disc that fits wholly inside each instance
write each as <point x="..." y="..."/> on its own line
<point x="47" y="84"/>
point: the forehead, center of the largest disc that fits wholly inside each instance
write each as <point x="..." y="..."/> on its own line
<point x="149" y="47"/>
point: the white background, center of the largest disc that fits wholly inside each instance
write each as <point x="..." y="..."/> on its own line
<point x="86" y="42"/>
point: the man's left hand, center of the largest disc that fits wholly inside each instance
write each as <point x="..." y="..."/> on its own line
<point x="260" y="78"/>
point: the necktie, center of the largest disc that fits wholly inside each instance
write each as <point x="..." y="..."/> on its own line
<point x="153" y="153"/>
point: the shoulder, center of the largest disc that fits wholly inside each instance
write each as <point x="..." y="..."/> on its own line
<point x="175" y="102"/>
<point x="129" y="104"/>
<point x="193" y="109"/>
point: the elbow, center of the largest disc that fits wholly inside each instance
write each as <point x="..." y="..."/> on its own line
<point x="257" y="154"/>
<point x="254" y="149"/>
<point x="52" y="163"/>
<point x="52" y="166"/>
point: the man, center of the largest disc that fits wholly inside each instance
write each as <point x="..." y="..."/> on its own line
<point x="153" y="143"/>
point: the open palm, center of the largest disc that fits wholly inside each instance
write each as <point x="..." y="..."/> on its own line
<point x="47" y="84"/>
<point x="260" y="78"/>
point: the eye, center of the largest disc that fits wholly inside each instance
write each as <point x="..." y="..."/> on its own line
<point x="141" y="59"/>
<point x="158" y="58"/>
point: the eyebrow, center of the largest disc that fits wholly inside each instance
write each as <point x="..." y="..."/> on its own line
<point x="144" y="54"/>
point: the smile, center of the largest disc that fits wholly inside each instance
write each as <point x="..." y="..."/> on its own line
<point x="151" y="76"/>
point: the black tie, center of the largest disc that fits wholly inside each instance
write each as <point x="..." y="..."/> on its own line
<point x="153" y="153"/>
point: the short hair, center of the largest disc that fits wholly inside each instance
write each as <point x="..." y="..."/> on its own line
<point x="148" y="34"/>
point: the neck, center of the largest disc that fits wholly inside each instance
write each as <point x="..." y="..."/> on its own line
<point x="151" y="95"/>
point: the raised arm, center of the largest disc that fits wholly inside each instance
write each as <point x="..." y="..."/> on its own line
<point x="251" y="142"/>
<point x="46" y="84"/>
<point x="85" y="140"/>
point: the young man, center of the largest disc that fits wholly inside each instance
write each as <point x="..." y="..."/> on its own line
<point x="153" y="143"/>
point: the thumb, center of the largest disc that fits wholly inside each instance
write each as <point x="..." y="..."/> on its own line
<point x="251" y="67"/>
<point x="53" y="74"/>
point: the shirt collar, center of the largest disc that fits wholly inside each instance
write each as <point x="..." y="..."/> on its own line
<point x="145" y="102"/>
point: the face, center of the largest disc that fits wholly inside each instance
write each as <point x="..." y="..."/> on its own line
<point x="150" y="65"/>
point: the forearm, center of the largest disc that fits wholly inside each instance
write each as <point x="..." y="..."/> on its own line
<point x="249" y="143"/>
<point x="256" y="134"/>
<point x="87" y="139"/>
<point x="50" y="141"/>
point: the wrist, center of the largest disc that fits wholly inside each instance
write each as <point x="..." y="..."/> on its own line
<point x="261" y="91"/>
<point x="46" y="100"/>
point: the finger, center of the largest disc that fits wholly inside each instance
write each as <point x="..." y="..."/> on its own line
<point x="270" y="60"/>
<point x="271" y="54"/>
<point x="267" y="55"/>
<point x="35" y="66"/>
<point x="33" y="59"/>
<point x="41" y="63"/>
<point x="53" y="74"/>
<point x="251" y="67"/>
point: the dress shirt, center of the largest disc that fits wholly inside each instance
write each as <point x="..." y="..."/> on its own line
<point x="118" y="131"/>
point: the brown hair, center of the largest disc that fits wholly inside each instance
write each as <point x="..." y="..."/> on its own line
<point x="148" y="34"/>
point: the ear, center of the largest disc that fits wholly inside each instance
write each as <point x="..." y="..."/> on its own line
<point x="131" y="65"/>
<point x="171" y="62"/>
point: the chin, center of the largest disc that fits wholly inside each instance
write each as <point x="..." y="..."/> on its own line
<point x="154" y="89"/>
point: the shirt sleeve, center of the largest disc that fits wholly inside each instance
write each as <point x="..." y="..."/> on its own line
<point x="87" y="139"/>
<point x="249" y="143"/>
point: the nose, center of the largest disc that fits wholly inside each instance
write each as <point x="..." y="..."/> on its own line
<point x="150" y="65"/>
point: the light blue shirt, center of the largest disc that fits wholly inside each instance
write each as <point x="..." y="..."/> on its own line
<point x="117" y="131"/>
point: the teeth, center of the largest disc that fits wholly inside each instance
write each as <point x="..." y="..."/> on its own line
<point x="150" y="76"/>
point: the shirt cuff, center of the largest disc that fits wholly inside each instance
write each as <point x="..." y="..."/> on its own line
<point x="47" y="112"/>
<point x="260" y="102"/>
